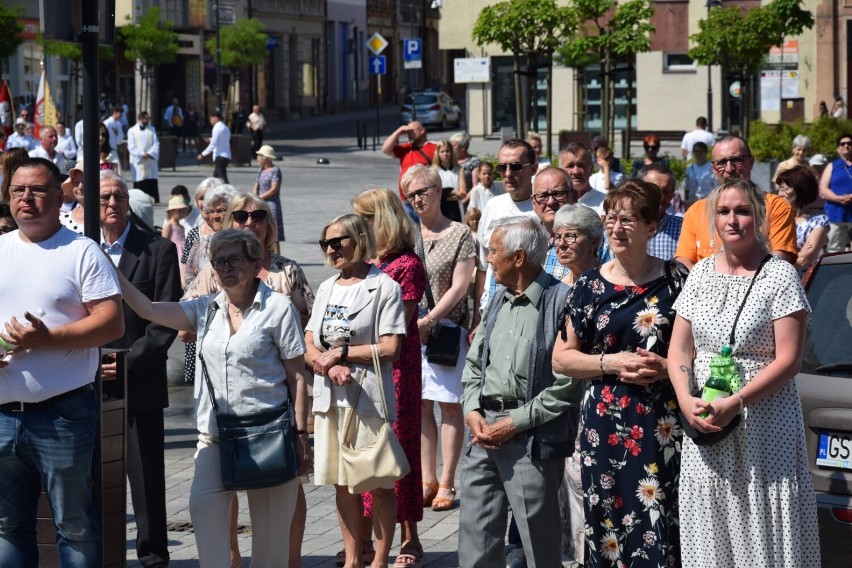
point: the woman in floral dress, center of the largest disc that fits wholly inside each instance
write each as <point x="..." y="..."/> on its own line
<point x="618" y="325"/>
<point x="395" y="256"/>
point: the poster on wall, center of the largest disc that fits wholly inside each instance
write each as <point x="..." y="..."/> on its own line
<point x="777" y="85"/>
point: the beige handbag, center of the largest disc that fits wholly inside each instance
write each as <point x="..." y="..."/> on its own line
<point x="380" y="463"/>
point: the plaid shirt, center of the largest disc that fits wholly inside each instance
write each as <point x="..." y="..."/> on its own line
<point x="664" y="243"/>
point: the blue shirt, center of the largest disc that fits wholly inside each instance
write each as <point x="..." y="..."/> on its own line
<point x="664" y="243"/>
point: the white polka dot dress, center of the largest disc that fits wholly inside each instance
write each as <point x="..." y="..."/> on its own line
<point x="748" y="500"/>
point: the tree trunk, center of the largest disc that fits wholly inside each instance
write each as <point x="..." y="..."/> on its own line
<point x="580" y="78"/>
<point x="549" y="104"/>
<point x="532" y="93"/>
<point x="628" y="129"/>
<point x="519" y="106"/>
<point x="606" y="95"/>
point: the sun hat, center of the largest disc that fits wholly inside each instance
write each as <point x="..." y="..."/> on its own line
<point x="267" y="151"/>
<point x="21" y="121"/>
<point x="817" y="160"/>
<point x="176" y="202"/>
<point x="66" y="184"/>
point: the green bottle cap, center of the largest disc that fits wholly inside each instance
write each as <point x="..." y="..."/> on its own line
<point x="726" y="350"/>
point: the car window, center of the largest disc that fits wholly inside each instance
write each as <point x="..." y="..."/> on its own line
<point x="421" y="99"/>
<point x="827" y="348"/>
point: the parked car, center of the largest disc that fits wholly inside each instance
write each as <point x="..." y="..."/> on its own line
<point x="431" y="108"/>
<point x="825" y="386"/>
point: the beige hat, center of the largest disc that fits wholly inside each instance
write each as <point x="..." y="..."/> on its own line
<point x="267" y="152"/>
<point x="176" y="202"/>
<point x="78" y="167"/>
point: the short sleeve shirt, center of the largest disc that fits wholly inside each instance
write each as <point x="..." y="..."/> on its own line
<point x="409" y="156"/>
<point x="442" y="255"/>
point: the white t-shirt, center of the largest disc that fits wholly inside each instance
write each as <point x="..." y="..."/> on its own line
<point x="693" y="136"/>
<point x="593" y="199"/>
<point x="449" y="178"/>
<point x="699" y="181"/>
<point x="57" y="275"/>
<point x="596" y="180"/>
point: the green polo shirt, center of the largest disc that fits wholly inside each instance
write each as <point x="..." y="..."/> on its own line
<point x="509" y="362"/>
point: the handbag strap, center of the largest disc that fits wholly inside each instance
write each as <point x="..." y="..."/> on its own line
<point x="212" y="308"/>
<point x="347" y="430"/>
<point x="420" y="249"/>
<point x="745" y="298"/>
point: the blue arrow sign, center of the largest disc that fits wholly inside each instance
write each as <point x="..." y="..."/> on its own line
<point x="378" y="65"/>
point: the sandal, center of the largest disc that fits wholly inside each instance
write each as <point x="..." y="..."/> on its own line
<point x="430" y="490"/>
<point x="410" y="555"/>
<point x="367" y="555"/>
<point x="443" y="503"/>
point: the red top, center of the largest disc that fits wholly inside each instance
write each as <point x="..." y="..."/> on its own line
<point x="408" y="156"/>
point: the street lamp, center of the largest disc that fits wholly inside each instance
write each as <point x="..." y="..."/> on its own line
<point x="218" y="90"/>
<point x="710" y="4"/>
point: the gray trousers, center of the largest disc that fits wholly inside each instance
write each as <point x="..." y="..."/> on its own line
<point x="493" y="480"/>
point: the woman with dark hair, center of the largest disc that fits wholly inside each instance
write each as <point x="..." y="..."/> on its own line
<point x="616" y="336"/>
<point x="7" y="222"/>
<point x="9" y="162"/>
<point x="800" y="188"/>
<point x="651" y="143"/>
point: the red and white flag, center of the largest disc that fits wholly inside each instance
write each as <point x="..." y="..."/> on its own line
<point x="45" y="110"/>
<point x="6" y="113"/>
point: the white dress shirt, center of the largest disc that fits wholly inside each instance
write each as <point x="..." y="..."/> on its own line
<point x="116" y="132"/>
<point x="57" y="158"/>
<point x="220" y="142"/>
<point x="78" y="134"/>
<point x="26" y="142"/>
<point x="66" y="146"/>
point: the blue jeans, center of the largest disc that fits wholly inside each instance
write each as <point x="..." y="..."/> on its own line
<point x="53" y="446"/>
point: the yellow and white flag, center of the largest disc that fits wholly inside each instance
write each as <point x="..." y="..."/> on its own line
<point x="45" y="110"/>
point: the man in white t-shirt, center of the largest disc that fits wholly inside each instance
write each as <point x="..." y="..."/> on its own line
<point x="48" y="406"/>
<point x="700" y="134"/>
<point x="116" y="131"/>
<point x="47" y="149"/>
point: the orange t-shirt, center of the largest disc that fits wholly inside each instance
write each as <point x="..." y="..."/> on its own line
<point x="694" y="242"/>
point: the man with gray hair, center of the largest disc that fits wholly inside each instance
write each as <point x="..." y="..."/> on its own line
<point x="522" y="416"/>
<point x="47" y="149"/>
<point x="664" y="243"/>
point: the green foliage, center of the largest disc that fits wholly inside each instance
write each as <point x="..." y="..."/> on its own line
<point x="740" y="40"/>
<point x="609" y="27"/>
<point x="825" y="132"/>
<point x="72" y="51"/>
<point x="9" y="30"/>
<point x="769" y="142"/>
<point x="243" y="44"/>
<point x="678" y="168"/>
<point x="516" y="26"/>
<point x="149" y="40"/>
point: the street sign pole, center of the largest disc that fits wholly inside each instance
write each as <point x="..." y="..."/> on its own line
<point x="378" y="102"/>
<point x="376" y="45"/>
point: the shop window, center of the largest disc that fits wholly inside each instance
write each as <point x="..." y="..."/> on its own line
<point x="678" y="63"/>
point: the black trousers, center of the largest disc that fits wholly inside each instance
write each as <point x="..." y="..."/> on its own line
<point x="149" y="186"/>
<point x="146" y="472"/>
<point x="256" y="140"/>
<point x="220" y="168"/>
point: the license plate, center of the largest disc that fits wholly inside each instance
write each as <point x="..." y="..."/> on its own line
<point x="835" y="450"/>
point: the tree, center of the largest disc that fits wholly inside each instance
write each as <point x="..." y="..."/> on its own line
<point x="10" y="29"/>
<point x="243" y="45"/>
<point x="150" y="42"/>
<point x="740" y="41"/>
<point x="614" y="32"/>
<point x="73" y="52"/>
<point x="531" y="30"/>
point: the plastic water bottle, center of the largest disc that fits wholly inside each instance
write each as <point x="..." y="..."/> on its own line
<point x="724" y="379"/>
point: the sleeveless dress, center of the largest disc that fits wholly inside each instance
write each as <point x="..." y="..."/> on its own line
<point x="631" y="439"/>
<point x="749" y="499"/>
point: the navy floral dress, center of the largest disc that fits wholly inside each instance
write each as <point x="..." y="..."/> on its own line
<point x="631" y="440"/>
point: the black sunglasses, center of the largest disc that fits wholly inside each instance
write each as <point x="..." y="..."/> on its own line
<point x="242" y="216"/>
<point x="335" y="243"/>
<point x="514" y="166"/>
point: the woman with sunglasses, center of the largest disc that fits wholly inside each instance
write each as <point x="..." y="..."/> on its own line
<point x="651" y="143"/>
<point x="395" y="256"/>
<point x="449" y="252"/>
<point x="251" y="214"/>
<point x="253" y="354"/>
<point x="354" y="309"/>
<point x="618" y="325"/>
<point x="268" y="188"/>
<point x="195" y="257"/>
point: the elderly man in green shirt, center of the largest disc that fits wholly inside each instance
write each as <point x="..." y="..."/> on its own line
<point x="522" y="416"/>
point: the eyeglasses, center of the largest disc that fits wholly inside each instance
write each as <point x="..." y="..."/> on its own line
<point x="219" y="264"/>
<point x="418" y="193"/>
<point x="242" y="216"/>
<point x="653" y="147"/>
<point x="119" y="198"/>
<point x="18" y="191"/>
<point x="845" y="143"/>
<point x="626" y="222"/>
<point x="221" y="211"/>
<point x="565" y="239"/>
<point x="514" y="166"/>
<point x="735" y="162"/>
<point x="559" y="196"/>
<point x="334" y="242"/>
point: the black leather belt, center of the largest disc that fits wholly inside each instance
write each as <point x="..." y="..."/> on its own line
<point x="22" y="406"/>
<point x="499" y="404"/>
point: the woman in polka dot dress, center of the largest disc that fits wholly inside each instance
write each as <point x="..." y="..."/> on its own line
<point x="749" y="499"/>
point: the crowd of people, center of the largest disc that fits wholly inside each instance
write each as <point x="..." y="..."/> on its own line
<point x="566" y="318"/>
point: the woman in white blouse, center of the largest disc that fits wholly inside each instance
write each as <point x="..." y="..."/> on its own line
<point x="254" y="350"/>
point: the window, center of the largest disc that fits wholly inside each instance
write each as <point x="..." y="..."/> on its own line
<point x="678" y="63"/>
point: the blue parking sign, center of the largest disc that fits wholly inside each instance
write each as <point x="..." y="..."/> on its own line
<point x="378" y="65"/>
<point x="412" y="49"/>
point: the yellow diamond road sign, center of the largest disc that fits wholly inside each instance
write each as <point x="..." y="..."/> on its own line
<point x="377" y="43"/>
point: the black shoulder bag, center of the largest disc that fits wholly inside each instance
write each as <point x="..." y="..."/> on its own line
<point x="710" y="438"/>
<point x="442" y="347"/>
<point x="256" y="450"/>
